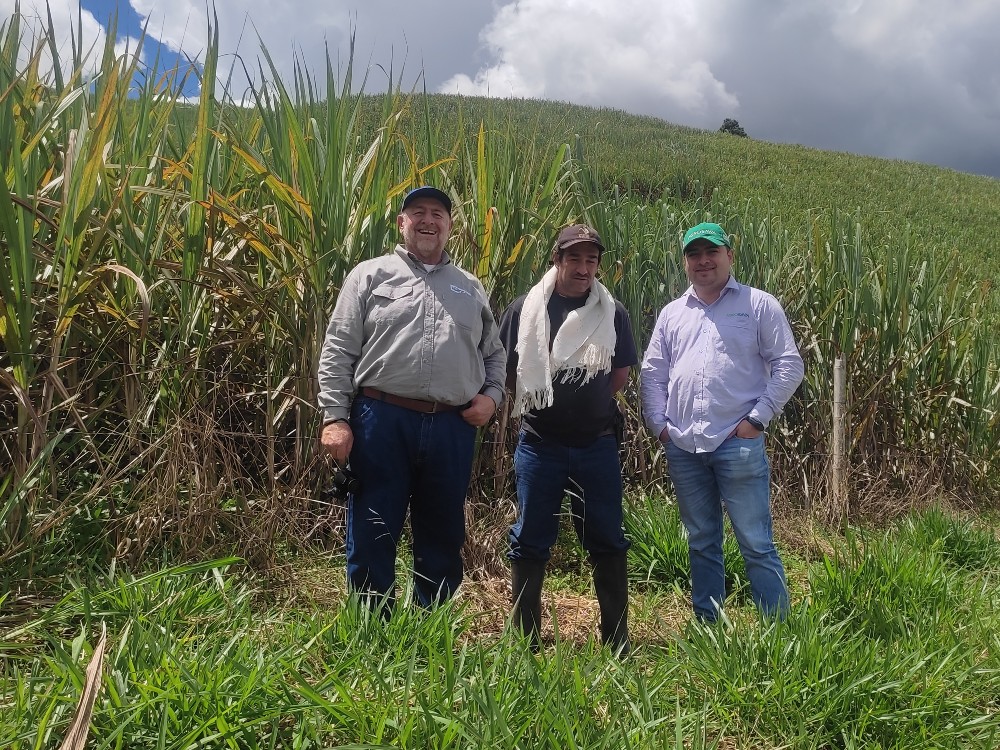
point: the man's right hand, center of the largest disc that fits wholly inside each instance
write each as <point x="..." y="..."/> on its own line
<point x="337" y="439"/>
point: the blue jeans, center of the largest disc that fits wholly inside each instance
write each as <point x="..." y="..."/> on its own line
<point x="736" y="474"/>
<point x="592" y="476"/>
<point x="405" y="459"/>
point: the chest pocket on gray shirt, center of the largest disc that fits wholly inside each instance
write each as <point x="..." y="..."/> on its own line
<point x="389" y="302"/>
<point x="462" y="309"/>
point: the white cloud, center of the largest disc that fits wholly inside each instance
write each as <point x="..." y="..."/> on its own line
<point x="899" y="78"/>
<point x="71" y="25"/>
<point x="181" y="25"/>
<point x="600" y="53"/>
<point x="391" y="37"/>
<point x="284" y="27"/>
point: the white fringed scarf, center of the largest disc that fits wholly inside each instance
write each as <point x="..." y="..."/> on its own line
<point x="582" y="348"/>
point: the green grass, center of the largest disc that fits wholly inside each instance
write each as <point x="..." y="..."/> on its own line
<point x="659" y="552"/>
<point x="893" y="645"/>
<point x="938" y="211"/>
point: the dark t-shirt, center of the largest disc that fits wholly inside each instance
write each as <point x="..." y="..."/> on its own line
<point x="580" y="412"/>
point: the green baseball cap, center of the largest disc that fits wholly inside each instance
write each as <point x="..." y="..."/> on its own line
<point x="705" y="231"/>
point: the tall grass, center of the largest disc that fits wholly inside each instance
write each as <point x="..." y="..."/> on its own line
<point x="169" y="270"/>
<point x="659" y="551"/>
<point x="894" y="646"/>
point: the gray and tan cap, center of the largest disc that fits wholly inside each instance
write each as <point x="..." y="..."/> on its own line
<point x="577" y="233"/>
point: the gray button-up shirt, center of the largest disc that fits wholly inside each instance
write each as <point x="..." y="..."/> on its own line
<point x="709" y="366"/>
<point x="410" y="332"/>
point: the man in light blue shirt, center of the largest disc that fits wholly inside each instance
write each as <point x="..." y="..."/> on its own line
<point x="720" y="365"/>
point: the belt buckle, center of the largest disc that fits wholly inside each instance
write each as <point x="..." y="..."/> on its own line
<point x="434" y="407"/>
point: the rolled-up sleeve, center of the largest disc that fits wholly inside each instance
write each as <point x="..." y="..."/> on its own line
<point x="341" y="349"/>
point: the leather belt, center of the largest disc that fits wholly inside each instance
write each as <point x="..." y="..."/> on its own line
<point x="413" y="404"/>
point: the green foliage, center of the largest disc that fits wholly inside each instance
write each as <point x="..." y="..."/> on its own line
<point x="732" y="127"/>
<point x="927" y="573"/>
<point x="814" y="682"/>
<point x="194" y="664"/>
<point x="958" y="543"/>
<point x="659" y="551"/>
<point x="172" y="268"/>
<point x="935" y="211"/>
<point x="883" y="588"/>
<point x="197" y="657"/>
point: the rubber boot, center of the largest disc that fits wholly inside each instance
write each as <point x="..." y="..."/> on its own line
<point x="526" y="595"/>
<point x="611" y="587"/>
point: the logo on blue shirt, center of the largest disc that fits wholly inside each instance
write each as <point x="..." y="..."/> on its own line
<point x="459" y="290"/>
<point x="738" y="315"/>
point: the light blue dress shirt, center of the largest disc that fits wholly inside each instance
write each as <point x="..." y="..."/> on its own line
<point x="709" y="366"/>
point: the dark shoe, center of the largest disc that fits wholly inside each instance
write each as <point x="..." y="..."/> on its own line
<point x="526" y="595"/>
<point x="611" y="587"/>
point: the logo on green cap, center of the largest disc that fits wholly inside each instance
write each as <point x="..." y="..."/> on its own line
<point x="706" y="231"/>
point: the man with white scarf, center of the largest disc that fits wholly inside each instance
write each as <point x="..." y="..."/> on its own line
<point x="570" y="349"/>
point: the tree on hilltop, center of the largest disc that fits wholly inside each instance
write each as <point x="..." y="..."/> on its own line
<point x="730" y="125"/>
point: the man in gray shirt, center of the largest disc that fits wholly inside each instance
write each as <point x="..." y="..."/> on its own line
<point x="411" y="365"/>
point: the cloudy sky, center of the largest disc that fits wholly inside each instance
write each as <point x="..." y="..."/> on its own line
<point x="906" y="79"/>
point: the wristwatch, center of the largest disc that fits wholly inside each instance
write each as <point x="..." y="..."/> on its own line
<point x="755" y="423"/>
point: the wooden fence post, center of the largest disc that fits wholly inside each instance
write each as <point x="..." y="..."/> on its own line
<point x="838" y="464"/>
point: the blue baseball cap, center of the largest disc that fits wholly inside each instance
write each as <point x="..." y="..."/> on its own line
<point x="427" y="191"/>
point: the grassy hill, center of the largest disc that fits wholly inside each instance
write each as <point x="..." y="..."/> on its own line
<point x="940" y="210"/>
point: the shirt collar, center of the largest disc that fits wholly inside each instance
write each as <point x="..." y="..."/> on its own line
<point x="732" y="284"/>
<point x="402" y="252"/>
